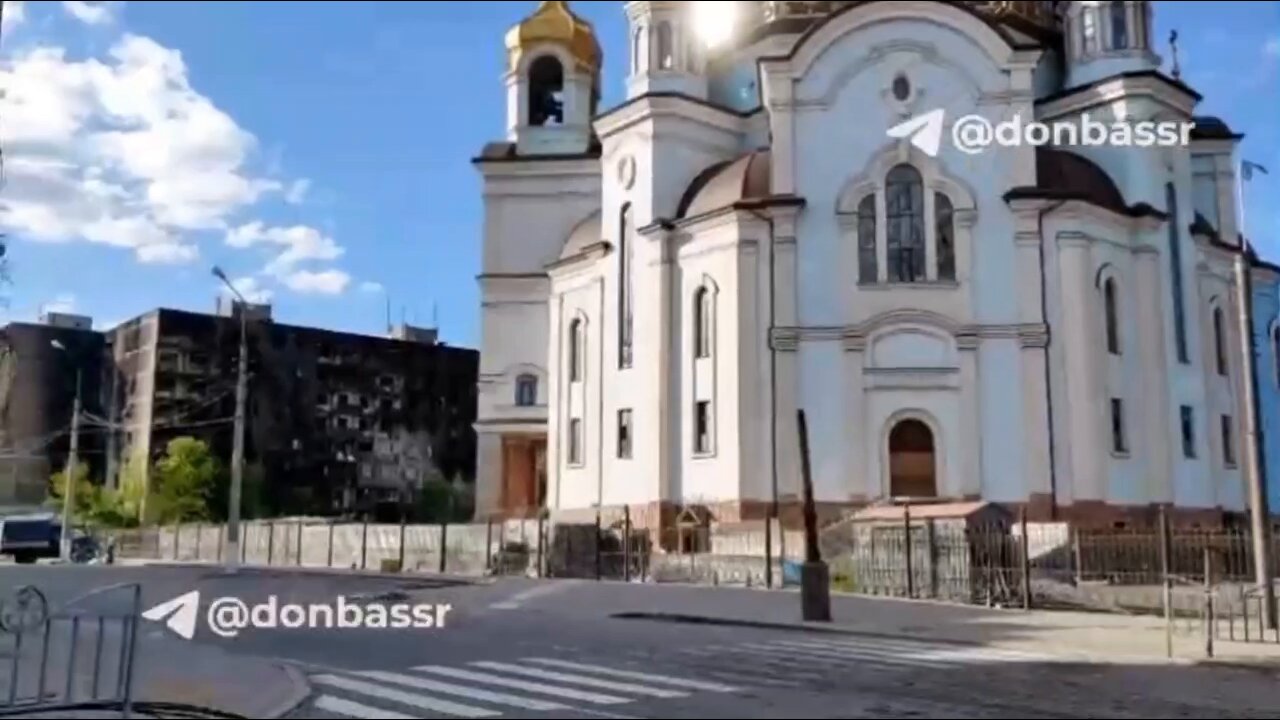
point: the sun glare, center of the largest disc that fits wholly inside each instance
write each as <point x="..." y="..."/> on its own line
<point x="714" y="20"/>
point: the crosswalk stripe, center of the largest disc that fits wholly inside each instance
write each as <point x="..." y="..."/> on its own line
<point x="860" y="651"/>
<point x="412" y="699"/>
<point x="580" y="680"/>
<point x="943" y="652"/>
<point x="632" y="675"/>
<point x="338" y="706"/>
<point x="489" y="696"/>
<point x="543" y="688"/>
<point x="850" y="657"/>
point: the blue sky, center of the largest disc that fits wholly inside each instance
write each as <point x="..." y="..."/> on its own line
<point x="320" y="152"/>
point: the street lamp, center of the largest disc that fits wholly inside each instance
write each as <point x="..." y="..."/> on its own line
<point x="69" y="485"/>
<point x="237" y="451"/>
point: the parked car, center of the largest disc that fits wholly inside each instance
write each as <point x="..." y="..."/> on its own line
<point x="30" y="537"/>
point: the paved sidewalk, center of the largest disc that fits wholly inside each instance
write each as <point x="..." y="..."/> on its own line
<point x="1090" y="637"/>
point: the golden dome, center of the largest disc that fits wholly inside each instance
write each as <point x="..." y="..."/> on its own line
<point x="554" y="22"/>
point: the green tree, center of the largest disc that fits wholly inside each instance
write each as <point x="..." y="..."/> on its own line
<point x="185" y="480"/>
<point x="85" y="491"/>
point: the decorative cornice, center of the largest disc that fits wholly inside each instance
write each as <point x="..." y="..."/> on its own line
<point x="854" y="338"/>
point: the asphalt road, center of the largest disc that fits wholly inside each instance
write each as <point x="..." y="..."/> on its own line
<point x="523" y="648"/>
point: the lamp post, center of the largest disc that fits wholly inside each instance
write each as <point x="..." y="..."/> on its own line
<point x="69" y="484"/>
<point x="237" y="451"/>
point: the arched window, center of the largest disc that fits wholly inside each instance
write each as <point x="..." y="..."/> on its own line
<point x="1109" y="301"/>
<point x="637" y="47"/>
<point x="626" y="252"/>
<point x="868" y="270"/>
<point x="1119" y="25"/>
<point x="1089" y="29"/>
<point x="690" y="51"/>
<point x="1175" y="272"/>
<point x="546" y="91"/>
<point x="703" y="322"/>
<point x="1220" y="340"/>
<point x="577" y="349"/>
<point x="666" y="49"/>
<point x="904" y="206"/>
<point x="945" y="236"/>
<point x="912" y="462"/>
<point x="526" y="390"/>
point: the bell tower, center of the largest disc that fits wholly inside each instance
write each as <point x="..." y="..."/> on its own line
<point x="666" y="55"/>
<point x="553" y="81"/>
<point x="1105" y="39"/>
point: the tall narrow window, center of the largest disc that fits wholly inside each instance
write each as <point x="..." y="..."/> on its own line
<point x="1112" y="316"/>
<point x="1119" y="25"/>
<point x="624" y="434"/>
<point x="1275" y="351"/>
<point x="577" y="353"/>
<point x="666" y="58"/>
<point x="1228" y="441"/>
<point x="703" y="315"/>
<point x="702" y="427"/>
<point x="546" y="91"/>
<point x="575" y="441"/>
<point x="526" y="390"/>
<point x="1220" y="340"/>
<point x="626" y="254"/>
<point x="867" y="262"/>
<point x="904" y="204"/>
<point x="1089" y="27"/>
<point x="945" y="235"/>
<point x="1188" y="432"/>
<point x="1119" y="439"/>
<point x="1175" y="274"/>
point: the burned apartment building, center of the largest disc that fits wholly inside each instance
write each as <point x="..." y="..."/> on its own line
<point x="38" y="374"/>
<point x="336" y="423"/>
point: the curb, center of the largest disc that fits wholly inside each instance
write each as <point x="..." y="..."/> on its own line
<point x="321" y="571"/>
<point x="301" y="690"/>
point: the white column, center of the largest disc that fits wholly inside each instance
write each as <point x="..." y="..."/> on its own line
<point x="1033" y="339"/>
<point x="971" y="427"/>
<point x="858" y="431"/>
<point x="1154" y="414"/>
<point x="1087" y="421"/>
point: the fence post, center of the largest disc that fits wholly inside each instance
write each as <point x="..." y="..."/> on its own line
<point x="199" y="532"/>
<point x="488" y="544"/>
<point x="329" y="558"/>
<point x="931" y="534"/>
<point x="906" y="544"/>
<point x="177" y="532"/>
<point x="1077" y="558"/>
<point x="271" y="542"/>
<point x="542" y="540"/>
<point x="444" y="545"/>
<point x="1210" y="626"/>
<point x="1026" y="562"/>
<point x="401" y="560"/>
<point x="1167" y="579"/>
<point x="221" y="529"/>
<point x="244" y="546"/>
<point x="364" y="543"/>
<point x="299" y="558"/>
<point x="626" y="543"/>
<point x="598" y="558"/>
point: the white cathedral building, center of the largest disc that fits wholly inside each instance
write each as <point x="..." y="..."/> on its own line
<point x="667" y="282"/>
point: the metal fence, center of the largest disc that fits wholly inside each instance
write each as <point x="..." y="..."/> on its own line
<point x="76" y="656"/>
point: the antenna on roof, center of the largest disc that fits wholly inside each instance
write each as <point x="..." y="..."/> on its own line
<point x="1173" y="46"/>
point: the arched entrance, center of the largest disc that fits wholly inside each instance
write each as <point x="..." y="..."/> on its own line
<point x="913" y="467"/>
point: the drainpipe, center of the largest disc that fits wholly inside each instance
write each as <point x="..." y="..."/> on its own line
<point x="1048" y="363"/>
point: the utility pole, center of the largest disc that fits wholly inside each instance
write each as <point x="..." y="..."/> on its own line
<point x="1255" y="462"/>
<point x="237" y="451"/>
<point x="69" y="487"/>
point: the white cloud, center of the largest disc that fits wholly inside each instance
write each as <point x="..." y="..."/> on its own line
<point x="120" y="150"/>
<point x="251" y="289"/>
<point x="92" y="13"/>
<point x="63" y="303"/>
<point x="297" y="244"/>
<point x="297" y="192"/>
<point x="369" y="286"/>
<point x="15" y="12"/>
<point x="1272" y="46"/>
<point x="326" y="282"/>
